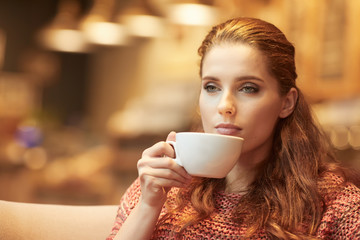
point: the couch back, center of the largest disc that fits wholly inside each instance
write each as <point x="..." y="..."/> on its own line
<point x="55" y="222"/>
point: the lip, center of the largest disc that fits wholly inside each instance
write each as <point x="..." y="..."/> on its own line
<point x="228" y="129"/>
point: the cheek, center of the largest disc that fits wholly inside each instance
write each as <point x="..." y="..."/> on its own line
<point x="262" y="120"/>
<point x="207" y="111"/>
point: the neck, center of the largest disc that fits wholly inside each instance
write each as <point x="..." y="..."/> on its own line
<point x="244" y="172"/>
<point x="239" y="179"/>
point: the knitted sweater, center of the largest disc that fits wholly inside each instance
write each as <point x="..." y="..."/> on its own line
<point x="341" y="219"/>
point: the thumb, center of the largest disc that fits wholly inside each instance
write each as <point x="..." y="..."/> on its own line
<point x="171" y="136"/>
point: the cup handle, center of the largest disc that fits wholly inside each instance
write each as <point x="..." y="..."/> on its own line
<point x="176" y="159"/>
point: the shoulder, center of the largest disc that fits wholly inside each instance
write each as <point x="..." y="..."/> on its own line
<point x="341" y="207"/>
<point x="336" y="190"/>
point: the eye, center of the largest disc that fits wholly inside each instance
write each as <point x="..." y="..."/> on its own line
<point x="249" y="88"/>
<point x="210" y="87"/>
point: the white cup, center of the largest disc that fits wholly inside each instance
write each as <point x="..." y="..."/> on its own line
<point x="206" y="154"/>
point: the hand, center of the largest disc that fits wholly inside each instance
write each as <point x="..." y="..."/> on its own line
<point x="158" y="172"/>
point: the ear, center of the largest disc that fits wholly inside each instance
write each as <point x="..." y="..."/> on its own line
<point x="289" y="103"/>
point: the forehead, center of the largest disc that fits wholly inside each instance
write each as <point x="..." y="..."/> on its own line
<point x="240" y="58"/>
<point x="234" y="49"/>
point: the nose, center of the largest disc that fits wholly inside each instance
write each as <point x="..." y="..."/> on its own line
<point x="227" y="104"/>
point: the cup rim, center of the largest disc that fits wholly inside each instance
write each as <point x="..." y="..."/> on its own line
<point x="210" y="134"/>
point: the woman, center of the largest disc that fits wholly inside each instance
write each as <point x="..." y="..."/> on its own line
<point x="286" y="183"/>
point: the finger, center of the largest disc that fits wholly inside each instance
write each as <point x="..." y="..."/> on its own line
<point x="164" y="163"/>
<point x="169" y="183"/>
<point x="171" y="136"/>
<point x="160" y="149"/>
<point x="158" y="178"/>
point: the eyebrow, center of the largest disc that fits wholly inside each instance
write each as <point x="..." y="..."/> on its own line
<point x="242" y="78"/>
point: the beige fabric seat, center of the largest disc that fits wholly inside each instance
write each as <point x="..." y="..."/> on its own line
<point x="55" y="222"/>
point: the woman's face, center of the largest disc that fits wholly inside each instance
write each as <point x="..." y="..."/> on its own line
<point x="239" y="97"/>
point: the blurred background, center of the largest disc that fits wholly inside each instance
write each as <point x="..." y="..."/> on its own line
<point x="87" y="85"/>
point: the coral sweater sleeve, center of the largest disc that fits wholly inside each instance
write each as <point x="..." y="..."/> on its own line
<point x="127" y="203"/>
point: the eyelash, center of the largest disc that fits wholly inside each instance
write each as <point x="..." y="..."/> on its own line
<point x="211" y="88"/>
<point x="251" y="88"/>
<point x="247" y="88"/>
